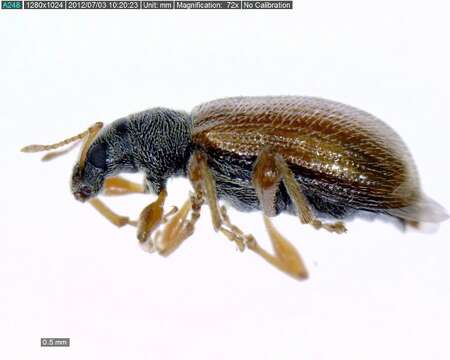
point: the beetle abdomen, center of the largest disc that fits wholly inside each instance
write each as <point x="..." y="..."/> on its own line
<point x="340" y="152"/>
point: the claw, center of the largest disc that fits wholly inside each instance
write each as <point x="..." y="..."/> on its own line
<point x="169" y="214"/>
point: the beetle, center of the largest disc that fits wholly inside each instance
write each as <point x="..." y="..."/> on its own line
<point x="318" y="159"/>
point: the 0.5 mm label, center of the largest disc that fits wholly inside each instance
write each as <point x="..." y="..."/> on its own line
<point x="51" y="342"/>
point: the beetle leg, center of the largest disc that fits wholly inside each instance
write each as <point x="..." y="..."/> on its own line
<point x="116" y="219"/>
<point x="117" y="185"/>
<point x="178" y="227"/>
<point x="203" y="182"/>
<point x="149" y="220"/>
<point x="169" y="214"/>
<point x="286" y="257"/>
<point x="269" y="169"/>
<point x="232" y="232"/>
<point x="301" y="203"/>
<point x="266" y="179"/>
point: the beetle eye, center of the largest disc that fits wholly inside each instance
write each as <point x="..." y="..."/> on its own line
<point x="97" y="156"/>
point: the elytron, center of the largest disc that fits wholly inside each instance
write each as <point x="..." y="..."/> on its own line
<point x="317" y="159"/>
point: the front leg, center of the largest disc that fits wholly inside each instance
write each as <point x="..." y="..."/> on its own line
<point x="149" y="220"/>
<point x="116" y="186"/>
<point x="110" y="215"/>
<point x="177" y="229"/>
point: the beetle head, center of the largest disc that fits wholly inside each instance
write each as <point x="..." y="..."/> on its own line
<point x="104" y="153"/>
<point x="87" y="180"/>
<point x="89" y="172"/>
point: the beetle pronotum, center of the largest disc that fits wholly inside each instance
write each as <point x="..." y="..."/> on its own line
<point x="306" y="156"/>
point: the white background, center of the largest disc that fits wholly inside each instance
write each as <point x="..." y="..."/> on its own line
<point x="374" y="293"/>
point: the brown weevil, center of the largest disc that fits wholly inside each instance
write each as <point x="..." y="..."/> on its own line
<point x="314" y="158"/>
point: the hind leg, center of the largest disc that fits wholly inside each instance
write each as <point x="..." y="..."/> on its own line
<point x="270" y="169"/>
<point x="286" y="258"/>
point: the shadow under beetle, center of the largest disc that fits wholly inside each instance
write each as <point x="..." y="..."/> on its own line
<point x="315" y="158"/>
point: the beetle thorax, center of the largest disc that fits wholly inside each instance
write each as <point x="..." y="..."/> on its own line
<point x="161" y="144"/>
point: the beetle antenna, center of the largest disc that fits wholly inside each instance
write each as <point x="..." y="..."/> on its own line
<point x="89" y="135"/>
<point x="54" y="154"/>
<point x="38" y="148"/>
